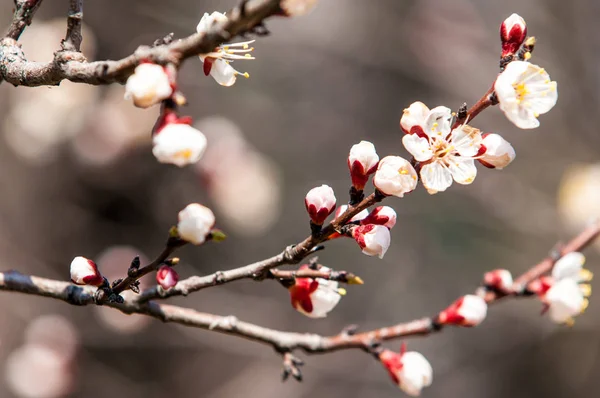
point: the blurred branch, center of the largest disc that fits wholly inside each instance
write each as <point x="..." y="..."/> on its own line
<point x="24" y="12"/>
<point x="283" y="342"/>
<point x="258" y="270"/>
<point x="69" y="64"/>
<point x="72" y="41"/>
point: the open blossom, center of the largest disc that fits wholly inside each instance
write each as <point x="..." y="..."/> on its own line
<point x="500" y="279"/>
<point x="524" y="92"/>
<point x="446" y="154"/>
<point x="148" y="85"/>
<point x="176" y="142"/>
<point x="565" y="292"/>
<point x="315" y="297"/>
<point x="362" y="162"/>
<point x="85" y="272"/>
<point x="374" y="240"/>
<point x="195" y="223"/>
<point x="409" y="370"/>
<point x="513" y="32"/>
<point x="320" y="203"/>
<point x="395" y="176"/>
<point x="498" y="152"/>
<point x="166" y="277"/>
<point x="469" y="310"/>
<point x="381" y="215"/>
<point x="217" y="62"/>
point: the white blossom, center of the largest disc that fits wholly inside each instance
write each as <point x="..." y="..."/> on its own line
<point x="395" y="176"/>
<point x="217" y="62"/>
<point x="178" y="144"/>
<point x="411" y="371"/>
<point x="148" y="85"/>
<point x="524" y="92"/>
<point x="498" y="152"/>
<point x="381" y="215"/>
<point x="500" y="279"/>
<point x="320" y="203"/>
<point x="469" y="310"/>
<point x="315" y="297"/>
<point x="296" y="8"/>
<point x="195" y="223"/>
<point x="85" y="272"/>
<point x="358" y="217"/>
<point x="447" y="154"/>
<point x="362" y="162"/>
<point x="374" y="240"/>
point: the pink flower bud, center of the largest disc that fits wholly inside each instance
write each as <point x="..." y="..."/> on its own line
<point x="468" y="310"/>
<point x="195" y="223"/>
<point x="374" y="240"/>
<point x="166" y="277"/>
<point x="500" y="279"/>
<point x="362" y="162"/>
<point x="320" y="203"/>
<point x="395" y="176"/>
<point x="178" y="143"/>
<point x="315" y="298"/>
<point x="381" y="215"/>
<point x="513" y="32"/>
<point x="409" y="370"/>
<point x="85" y="272"/>
<point x="148" y="85"/>
<point x="496" y="152"/>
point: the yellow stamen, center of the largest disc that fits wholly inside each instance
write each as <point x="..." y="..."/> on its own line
<point x="586" y="289"/>
<point x="246" y="75"/>
<point x="586" y="275"/>
<point x="586" y="303"/>
<point x="527" y="56"/>
<point x="356" y="280"/>
<point x="245" y="46"/>
<point x="341" y="291"/>
<point x="186" y="154"/>
<point x="570" y="322"/>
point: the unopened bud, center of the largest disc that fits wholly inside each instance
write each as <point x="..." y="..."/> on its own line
<point x="85" y="272"/>
<point x="469" y="310"/>
<point x="166" y="277"/>
<point x="362" y="162"/>
<point x="513" y="32"/>
<point x="320" y="203"/>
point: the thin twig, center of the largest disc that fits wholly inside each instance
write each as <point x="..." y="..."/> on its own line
<point x="72" y="41"/>
<point x="258" y="270"/>
<point x="24" y="12"/>
<point x="70" y="65"/>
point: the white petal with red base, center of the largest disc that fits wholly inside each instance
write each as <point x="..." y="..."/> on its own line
<point x="469" y="310"/>
<point x="315" y="298"/>
<point x="513" y="32"/>
<point x="85" y="272"/>
<point x="358" y="217"/>
<point x="374" y="240"/>
<point x="178" y="144"/>
<point x="148" y="85"/>
<point x="195" y="223"/>
<point x="166" y="277"/>
<point x="381" y="215"/>
<point x="362" y="162"/>
<point x="498" y="152"/>
<point x="411" y="371"/>
<point x="320" y="203"/>
<point x="414" y="117"/>
<point x="500" y="279"/>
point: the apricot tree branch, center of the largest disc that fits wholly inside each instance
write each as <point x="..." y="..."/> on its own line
<point x="72" y="41"/>
<point x="69" y="64"/>
<point x="283" y="342"/>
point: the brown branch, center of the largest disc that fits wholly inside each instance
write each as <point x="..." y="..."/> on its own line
<point x="338" y="276"/>
<point x="72" y="41"/>
<point x="24" y="12"/>
<point x="283" y="342"/>
<point x="71" y="65"/>
<point x="258" y="270"/>
<point x="488" y="99"/>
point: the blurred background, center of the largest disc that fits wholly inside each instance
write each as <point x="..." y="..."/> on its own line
<point x="79" y="178"/>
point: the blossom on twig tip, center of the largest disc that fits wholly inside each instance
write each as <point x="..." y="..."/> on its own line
<point x="320" y="202"/>
<point x="524" y="92"/>
<point x="411" y="371"/>
<point x="513" y="32"/>
<point x="500" y="279"/>
<point x="85" y="272"/>
<point x="497" y="152"/>
<point x="362" y="162"/>
<point x="315" y="297"/>
<point x="195" y="223"/>
<point x="176" y="142"/>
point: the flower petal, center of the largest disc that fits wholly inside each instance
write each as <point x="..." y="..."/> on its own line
<point x="463" y="170"/>
<point x="438" y="122"/>
<point x="418" y="147"/>
<point x="435" y="177"/>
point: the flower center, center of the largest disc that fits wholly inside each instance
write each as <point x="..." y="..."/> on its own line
<point x="521" y="91"/>
<point x="185" y="154"/>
